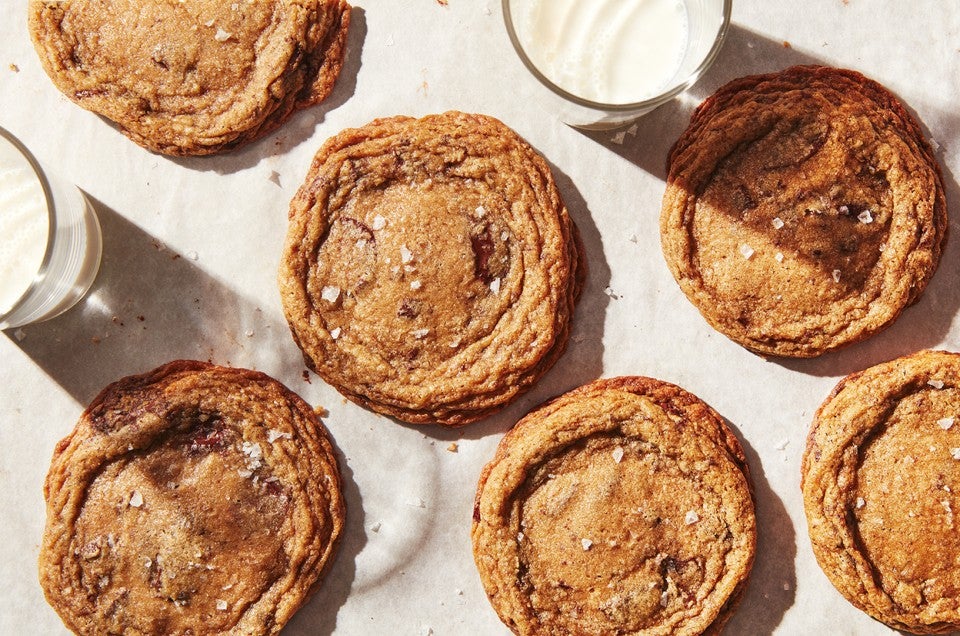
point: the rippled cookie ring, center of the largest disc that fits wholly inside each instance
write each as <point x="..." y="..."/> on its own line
<point x="430" y="269"/>
<point x="622" y="507"/>
<point x="804" y="210"/>
<point x="194" y="499"/>
<point x="880" y="481"/>
<point x="192" y="77"/>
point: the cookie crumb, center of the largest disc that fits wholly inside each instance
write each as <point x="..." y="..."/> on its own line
<point x="14" y="68"/>
<point x="453" y="447"/>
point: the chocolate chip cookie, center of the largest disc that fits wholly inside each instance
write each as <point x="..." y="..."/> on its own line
<point x="430" y="268"/>
<point x="881" y="473"/>
<point x="192" y="77"/>
<point x="804" y="210"/>
<point x="622" y="507"/>
<point x="194" y="499"/>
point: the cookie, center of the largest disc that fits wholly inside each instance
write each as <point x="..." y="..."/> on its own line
<point x="430" y="268"/>
<point x="804" y="210"/>
<point x="881" y="474"/>
<point x="622" y="507"/>
<point x="193" y="77"/>
<point x="194" y="499"/>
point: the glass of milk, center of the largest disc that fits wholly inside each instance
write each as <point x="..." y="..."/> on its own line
<point x="606" y="62"/>
<point x="51" y="244"/>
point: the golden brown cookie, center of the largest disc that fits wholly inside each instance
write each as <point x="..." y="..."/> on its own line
<point x="804" y="210"/>
<point x="192" y="77"/>
<point x="622" y="507"/>
<point x="881" y="475"/>
<point x="194" y="499"/>
<point x="430" y="269"/>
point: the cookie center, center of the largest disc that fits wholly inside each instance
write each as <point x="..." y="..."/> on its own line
<point x="414" y="270"/>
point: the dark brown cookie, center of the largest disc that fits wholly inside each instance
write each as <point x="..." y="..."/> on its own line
<point x="881" y="473"/>
<point x="804" y="210"/>
<point x="193" y="77"/>
<point x="194" y="499"/>
<point x="622" y="507"/>
<point x="430" y="268"/>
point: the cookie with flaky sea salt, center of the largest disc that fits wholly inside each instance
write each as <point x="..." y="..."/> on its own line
<point x="880" y="481"/>
<point x="622" y="507"/>
<point x="194" y="499"/>
<point x="804" y="210"/>
<point x="430" y="268"/>
<point x="192" y="77"/>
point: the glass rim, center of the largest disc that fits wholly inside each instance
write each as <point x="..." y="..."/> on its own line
<point x="7" y="137"/>
<point x="645" y="104"/>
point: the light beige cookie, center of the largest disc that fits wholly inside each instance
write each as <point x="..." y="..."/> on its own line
<point x="804" y="210"/>
<point x="194" y="499"/>
<point x="622" y="507"/>
<point x="430" y="268"/>
<point x="192" y="77"/>
<point x="880" y="478"/>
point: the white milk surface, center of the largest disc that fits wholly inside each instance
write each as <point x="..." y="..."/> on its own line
<point x="609" y="51"/>
<point x="23" y="225"/>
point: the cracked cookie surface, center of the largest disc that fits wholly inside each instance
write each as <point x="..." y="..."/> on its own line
<point x="804" y="210"/>
<point x="193" y="77"/>
<point x="194" y="499"/>
<point x="622" y="507"/>
<point x="430" y="268"/>
<point x="880" y="475"/>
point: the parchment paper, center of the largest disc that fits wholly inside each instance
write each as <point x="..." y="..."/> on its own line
<point x="191" y="248"/>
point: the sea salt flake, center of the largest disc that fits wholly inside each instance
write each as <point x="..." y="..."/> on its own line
<point x="955" y="453"/>
<point x="415" y="284"/>
<point x="379" y="222"/>
<point x="861" y="502"/>
<point x="746" y="251"/>
<point x="586" y="543"/>
<point x="617" y="454"/>
<point x="420" y="333"/>
<point x="777" y="223"/>
<point x="136" y="499"/>
<point x="454" y="343"/>
<point x="376" y="527"/>
<point x="273" y="435"/>
<point x="192" y="255"/>
<point x="222" y="605"/>
<point x="417" y="502"/>
<point x="778" y="257"/>
<point x="335" y="332"/>
<point x="836" y="275"/>
<point x="691" y="517"/>
<point x="619" y="137"/>
<point x="945" y="423"/>
<point x="480" y="211"/>
<point x="330" y="293"/>
<point x="937" y="384"/>
<point x="632" y="130"/>
<point x="361" y="243"/>
<point x="865" y="217"/>
<point x="664" y="599"/>
<point x="405" y="254"/>
<point x="495" y="285"/>
<point x="222" y="36"/>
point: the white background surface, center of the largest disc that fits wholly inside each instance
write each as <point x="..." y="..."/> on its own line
<point x="226" y="218"/>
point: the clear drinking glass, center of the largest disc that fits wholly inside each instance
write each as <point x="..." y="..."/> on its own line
<point x="51" y="242"/>
<point x="597" y="36"/>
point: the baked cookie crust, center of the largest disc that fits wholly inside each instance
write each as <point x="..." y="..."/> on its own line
<point x="193" y="77"/>
<point x="804" y="210"/>
<point x="430" y="268"/>
<point x="194" y="499"/>
<point x="622" y="507"/>
<point x="880" y="477"/>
